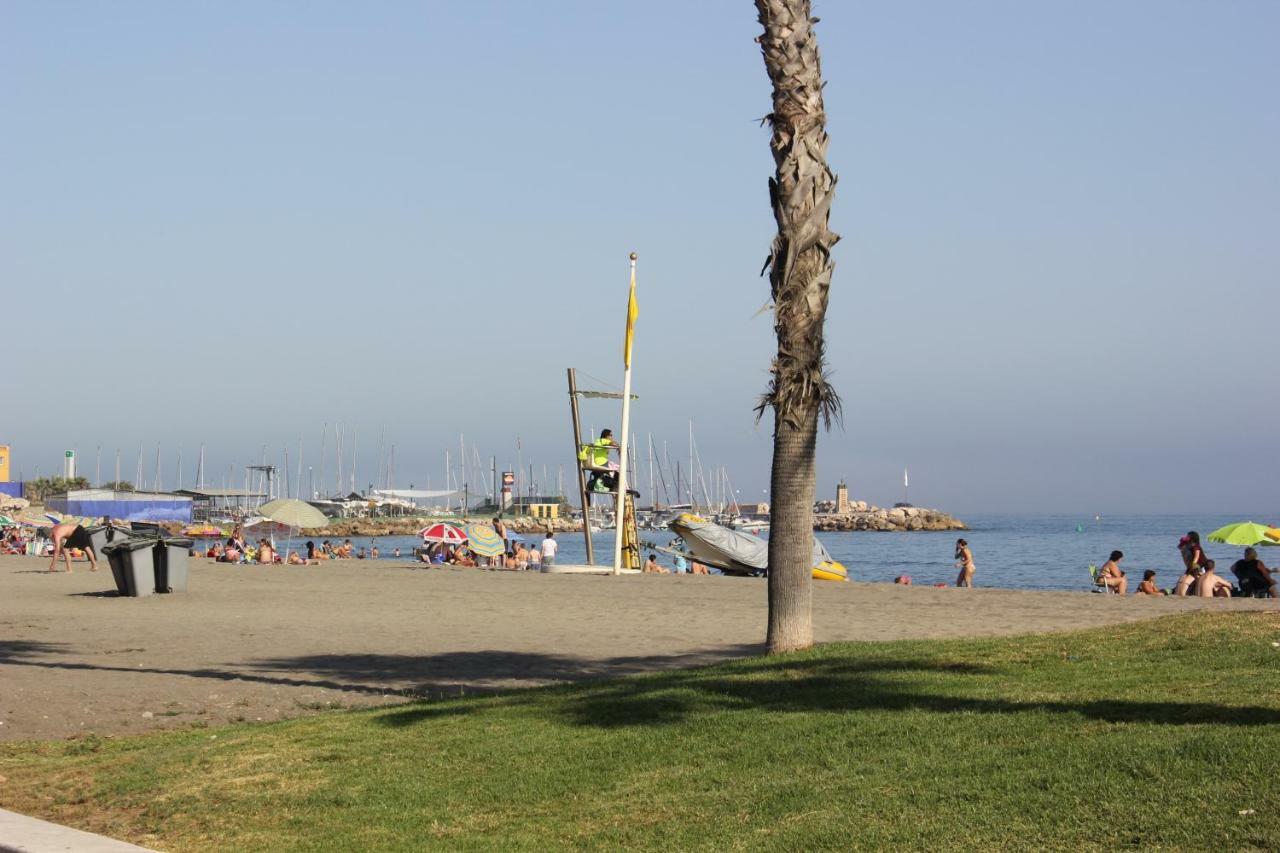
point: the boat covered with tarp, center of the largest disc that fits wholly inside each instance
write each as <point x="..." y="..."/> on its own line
<point x="737" y="553"/>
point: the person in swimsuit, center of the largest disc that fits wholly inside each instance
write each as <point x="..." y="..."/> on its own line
<point x="1210" y="585"/>
<point x="1148" y="585"/>
<point x="1110" y="575"/>
<point x="964" y="561"/>
<point x="68" y="536"/>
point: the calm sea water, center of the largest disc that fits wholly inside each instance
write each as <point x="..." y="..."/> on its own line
<point x="1011" y="551"/>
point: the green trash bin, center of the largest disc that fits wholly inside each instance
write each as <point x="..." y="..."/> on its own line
<point x="171" y="556"/>
<point x="133" y="566"/>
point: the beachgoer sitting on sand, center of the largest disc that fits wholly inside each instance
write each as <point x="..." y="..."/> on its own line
<point x="651" y="566"/>
<point x="1148" y="585"/>
<point x="1253" y="575"/>
<point x="1211" y="585"/>
<point x="1110" y="575"/>
<point x="66" y="537"/>
<point x="266" y="554"/>
<point x="295" y="559"/>
<point x="903" y="580"/>
<point x="697" y="568"/>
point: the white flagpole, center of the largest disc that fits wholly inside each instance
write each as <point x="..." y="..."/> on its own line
<point x="620" y="518"/>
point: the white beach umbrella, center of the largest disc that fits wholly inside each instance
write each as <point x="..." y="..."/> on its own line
<point x="295" y="514"/>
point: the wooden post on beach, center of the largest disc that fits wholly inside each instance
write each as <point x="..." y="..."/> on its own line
<point x="582" y="479"/>
<point x="620" y="515"/>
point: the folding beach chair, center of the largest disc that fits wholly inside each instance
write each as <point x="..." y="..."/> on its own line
<point x="1098" y="585"/>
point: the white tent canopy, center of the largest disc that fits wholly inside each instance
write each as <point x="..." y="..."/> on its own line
<point x="414" y="494"/>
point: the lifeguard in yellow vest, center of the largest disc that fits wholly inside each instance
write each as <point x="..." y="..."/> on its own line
<point x="594" y="458"/>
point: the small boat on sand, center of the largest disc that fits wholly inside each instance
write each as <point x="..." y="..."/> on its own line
<point x="736" y="553"/>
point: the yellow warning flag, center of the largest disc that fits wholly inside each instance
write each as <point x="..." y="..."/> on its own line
<point x="633" y="311"/>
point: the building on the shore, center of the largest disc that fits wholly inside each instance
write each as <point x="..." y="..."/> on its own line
<point x="207" y="504"/>
<point x="842" y="497"/>
<point x="123" y="506"/>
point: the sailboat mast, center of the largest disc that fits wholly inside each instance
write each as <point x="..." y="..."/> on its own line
<point x="692" y="506"/>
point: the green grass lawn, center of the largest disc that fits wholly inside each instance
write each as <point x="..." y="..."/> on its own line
<point x="1154" y="735"/>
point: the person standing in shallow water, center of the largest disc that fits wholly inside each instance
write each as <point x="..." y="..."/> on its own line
<point x="964" y="561"/>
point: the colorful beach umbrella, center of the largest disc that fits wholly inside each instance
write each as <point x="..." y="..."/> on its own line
<point x="6" y="521"/>
<point x="1242" y="533"/>
<point x="441" y="532"/>
<point x="485" y="541"/>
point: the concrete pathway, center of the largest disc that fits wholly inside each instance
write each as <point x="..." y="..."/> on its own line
<point x="22" y="834"/>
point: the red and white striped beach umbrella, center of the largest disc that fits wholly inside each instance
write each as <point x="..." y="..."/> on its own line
<point x="441" y="532"/>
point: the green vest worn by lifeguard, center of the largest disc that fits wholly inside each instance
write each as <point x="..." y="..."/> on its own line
<point x="596" y="454"/>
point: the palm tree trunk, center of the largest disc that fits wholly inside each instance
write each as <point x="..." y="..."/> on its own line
<point x="800" y="269"/>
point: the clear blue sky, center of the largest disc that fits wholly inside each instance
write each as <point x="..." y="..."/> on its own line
<point x="232" y="222"/>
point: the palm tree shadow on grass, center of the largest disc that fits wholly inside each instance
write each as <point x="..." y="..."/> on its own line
<point x="824" y="686"/>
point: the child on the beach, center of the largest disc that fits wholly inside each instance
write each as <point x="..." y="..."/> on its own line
<point x="1148" y="585"/>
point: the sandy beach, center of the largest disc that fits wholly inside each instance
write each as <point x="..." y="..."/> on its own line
<point x="249" y="643"/>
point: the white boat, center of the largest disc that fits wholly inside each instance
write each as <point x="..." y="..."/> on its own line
<point x="747" y="525"/>
<point x="737" y="553"/>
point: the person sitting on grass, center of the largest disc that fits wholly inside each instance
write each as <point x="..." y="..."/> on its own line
<point x="1110" y="576"/>
<point x="1253" y="575"/>
<point x="1148" y="585"/>
<point x="1211" y="585"/>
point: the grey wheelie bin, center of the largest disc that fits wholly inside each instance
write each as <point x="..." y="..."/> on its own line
<point x="171" y="564"/>
<point x="133" y="565"/>
<point x="101" y="536"/>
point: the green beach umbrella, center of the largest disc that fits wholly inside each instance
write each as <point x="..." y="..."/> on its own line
<point x="1242" y="533"/>
<point x="6" y="521"/>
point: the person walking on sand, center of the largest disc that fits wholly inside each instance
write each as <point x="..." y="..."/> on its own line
<point x="68" y="536"/>
<point x="964" y="561"/>
<point x="1110" y="575"/>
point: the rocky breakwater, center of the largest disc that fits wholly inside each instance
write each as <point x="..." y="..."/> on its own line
<point x="862" y="516"/>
